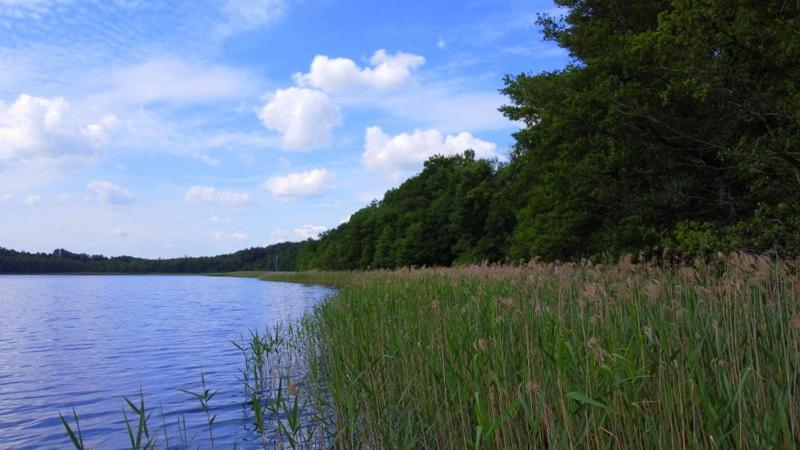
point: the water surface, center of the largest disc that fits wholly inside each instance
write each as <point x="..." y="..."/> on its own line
<point x="85" y="341"/>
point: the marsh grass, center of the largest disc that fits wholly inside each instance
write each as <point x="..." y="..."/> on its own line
<point x="617" y="356"/>
<point x="75" y="435"/>
<point x="204" y="396"/>
<point x="287" y="396"/>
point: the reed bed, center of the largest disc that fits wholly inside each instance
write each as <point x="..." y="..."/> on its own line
<point x="614" y="356"/>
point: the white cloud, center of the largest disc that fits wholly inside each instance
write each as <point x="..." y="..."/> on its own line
<point x="118" y="232"/>
<point x="110" y="193"/>
<point x="340" y="74"/>
<point x="304" y="117"/>
<point x="230" y="237"/>
<point x="6" y="198"/>
<point x="441" y="43"/>
<point x="36" y="130"/>
<point x="300" y="233"/>
<point x="300" y="184"/>
<point x="98" y="133"/>
<point x="245" y="15"/>
<point x="278" y="235"/>
<point x="33" y="199"/>
<point x="218" y="219"/>
<point x="407" y="151"/>
<point x="308" y="231"/>
<point x="207" y="194"/>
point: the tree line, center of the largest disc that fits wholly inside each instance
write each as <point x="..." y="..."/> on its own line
<point x="675" y="128"/>
<point x="281" y="257"/>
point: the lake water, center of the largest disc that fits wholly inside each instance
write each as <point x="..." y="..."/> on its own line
<point x="85" y="341"/>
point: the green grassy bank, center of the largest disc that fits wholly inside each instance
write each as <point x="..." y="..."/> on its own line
<point x="562" y="356"/>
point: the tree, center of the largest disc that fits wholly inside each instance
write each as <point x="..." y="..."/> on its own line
<point x="674" y="115"/>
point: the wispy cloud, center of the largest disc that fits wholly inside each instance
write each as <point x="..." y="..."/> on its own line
<point x="230" y="237"/>
<point x="207" y="194"/>
<point x="245" y="15"/>
<point x="173" y="80"/>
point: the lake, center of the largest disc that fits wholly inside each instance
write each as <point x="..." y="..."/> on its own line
<point x="85" y="341"/>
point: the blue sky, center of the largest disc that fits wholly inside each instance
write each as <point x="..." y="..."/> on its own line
<point x="168" y="128"/>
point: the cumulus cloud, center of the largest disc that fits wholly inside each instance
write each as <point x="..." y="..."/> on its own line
<point x="230" y="237"/>
<point x="304" y="117"/>
<point x="340" y="74"/>
<point x="37" y="129"/>
<point x="207" y="194"/>
<point x="300" y="184"/>
<point x="6" y="198"/>
<point x="245" y="15"/>
<point x="407" y="151"/>
<point x="110" y="193"/>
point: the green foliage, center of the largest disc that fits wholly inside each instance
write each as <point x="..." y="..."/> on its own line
<point x="281" y="257"/>
<point x="618" y="356"/>
<point x="677" y="121"/>
<point x="75" y="436"/>
<point x="436" y="218"/>
<point x="140" y="440"/>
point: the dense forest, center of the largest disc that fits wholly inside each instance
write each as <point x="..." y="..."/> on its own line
<point x="674" y="129"/>
<point x="281" y="257"/>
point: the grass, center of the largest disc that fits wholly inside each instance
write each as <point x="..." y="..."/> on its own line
<point x="335" y="279"/>
<point x="616" y="356"/>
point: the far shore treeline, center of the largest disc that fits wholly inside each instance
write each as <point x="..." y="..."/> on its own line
<point x="674" y="130"/>
<point x="281" y="257"/>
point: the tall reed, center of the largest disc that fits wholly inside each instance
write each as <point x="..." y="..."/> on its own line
<point x="582" y="355"/>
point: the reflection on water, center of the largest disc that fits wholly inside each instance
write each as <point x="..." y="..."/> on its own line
<point x="85" y="341"/>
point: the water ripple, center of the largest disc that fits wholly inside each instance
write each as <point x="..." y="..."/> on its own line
<point x="87" y="341"/>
